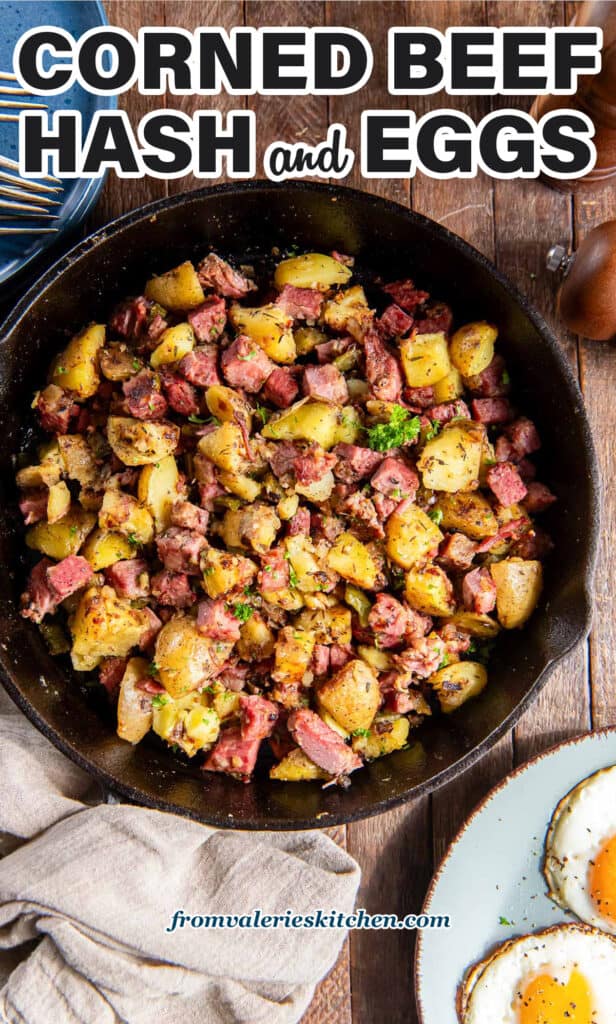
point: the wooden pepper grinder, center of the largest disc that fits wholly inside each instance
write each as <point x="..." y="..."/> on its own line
<point x="595" y="96"/>
<point x="587" y="296"/>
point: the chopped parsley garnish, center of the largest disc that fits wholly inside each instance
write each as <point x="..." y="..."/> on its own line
<point x="249" y="592"/>
<point x="360" y="732"/>
<point x="159" y="701"/>
<point x="153" y="668"/>
<point x="262" y="413"/>
<point x="72" y="530"/>
<point x="196" y="419"/>
<point x="242" y="611"/>
<point x="401" y="429"/>
<point x="503" y="920"/>
<point x="61" y="369"/>
<point x="132" y="540"/>
<point x="249" y="355"/>
<point x="505" y="378"/>
<point x="433" y="431"/>
<point x="481" y="651"/>
<point x="136" y="364"/>
<point x="208" y="689"/>
<point x="293" y="580"/>
<point x="436" y="515"/>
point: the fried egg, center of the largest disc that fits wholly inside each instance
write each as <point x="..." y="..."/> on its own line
<point x="565" y="975"/>
<point x="580" y="851"/>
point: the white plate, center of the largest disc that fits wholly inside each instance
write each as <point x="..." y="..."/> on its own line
<point x="492" y="872"/>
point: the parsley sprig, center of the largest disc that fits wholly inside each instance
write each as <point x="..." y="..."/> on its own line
<point x="401" y="429"/>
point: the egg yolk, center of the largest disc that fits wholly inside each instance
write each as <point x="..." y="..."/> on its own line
<point x="545" y="1000"/>
<point x="602" y="878"/>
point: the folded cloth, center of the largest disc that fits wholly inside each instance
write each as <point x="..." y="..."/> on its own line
<point x="88" y="889"/>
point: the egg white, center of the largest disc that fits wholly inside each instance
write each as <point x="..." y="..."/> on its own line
<point x="581" y="824"/>
<point x="489" y="993"/>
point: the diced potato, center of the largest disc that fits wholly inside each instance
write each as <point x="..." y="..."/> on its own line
<point x="78" y="459"/>
<point x="105" y="626"/>
<point x="469" y="512"/>
<point x="352" y="560"/>
<point x="158" y="488"/>
<point x="253" y="527"/>
<point x="327" y="625"/>
<point x="349" y="425"/>
<point x="451" y="460"/>
<point x="228" y="406"/>
<point x="176" y="289"/>
<point x="49" y="453"/>
<point x="301" y="554"/>
<point x="226" y="704"/>
<point x="296" y="766"/>
<point x="123" y="513"/>
<point x="312" y="270"/>
<point x="307" y="338"/>
<point x="348" y="311"/>
<point x="134" y="706"/>
<point x="139" y="442"/>
<point x="359" y="602"/>
<point x="319" y="490"/>
<point x="175" y="343"/>
<point x="411" y="535"/>
<point x="104" y="548"/>
<point x="472" y="347"/>
<point x="225" y="447"/>
<point x="256" y="639"/>
<point x="352" y="696"/>
<point x="185" y="658"/>
<point x="45" y="475"/>
<point x="238" y="483"/>
<point x="383" y="738"/>
<point x="378" y="660"/>
<point x="287" y="507"/>
<point x="305" y="421"/>
<point x="58" y="540"/>
<point x="269" y="327"/>
<point x="481" y="626"/>
<point x="454" y="684"/>
<point x="289" y="598"/>
<point x="224" y="572"/>
<point x="518" y="587"/>
<point x="187" y="722"/>
<point x="76" y="369"/>
<point x="292" y="653"/>
<point x="425" y="359"/>
<point x="449" y="388"/>
<point x="429" y="591"/>
<point x="118" y="362"/>
<point x="58" y="502"/>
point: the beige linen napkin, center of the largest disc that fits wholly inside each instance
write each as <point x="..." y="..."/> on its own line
<point x="96" y="886"/>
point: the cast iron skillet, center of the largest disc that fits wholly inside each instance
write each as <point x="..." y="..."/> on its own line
<point x="240" y="218"/>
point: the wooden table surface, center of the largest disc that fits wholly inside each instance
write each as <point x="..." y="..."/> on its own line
<point x="513" y="223"/>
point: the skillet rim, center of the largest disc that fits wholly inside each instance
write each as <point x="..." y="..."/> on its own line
<point x="457" y="244"/>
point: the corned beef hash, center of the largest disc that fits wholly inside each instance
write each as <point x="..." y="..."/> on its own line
<point x="287" y="517"/>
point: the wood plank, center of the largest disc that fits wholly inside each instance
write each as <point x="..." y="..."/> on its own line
<point x="524" y="230"/>
<point x="201" y="13"/>
<point x="295" y="118"/>
<point x="465" y="207"/>
<point x="287" y="118"/>
<point x="597" y="366"/>
<point x="394" y="850"/>
<point x="118" y="196"/>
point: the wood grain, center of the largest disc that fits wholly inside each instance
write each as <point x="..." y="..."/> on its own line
<point x="513" y="223"/>
<point x="523" y="233"/>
